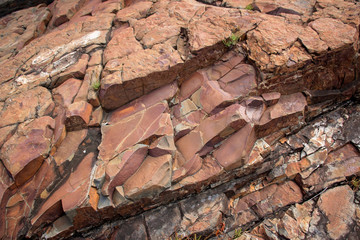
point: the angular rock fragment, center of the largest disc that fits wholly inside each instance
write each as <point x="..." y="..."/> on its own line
<point x="35" y="138"/>
<point x="153" y="176"/>
<point x="78" y="116"/>
<point x="129" y="130"/>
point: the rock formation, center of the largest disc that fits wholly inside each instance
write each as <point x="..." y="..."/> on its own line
<point x="168" y="119"/>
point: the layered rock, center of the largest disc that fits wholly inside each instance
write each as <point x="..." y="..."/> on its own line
<point x="220" y="115"/>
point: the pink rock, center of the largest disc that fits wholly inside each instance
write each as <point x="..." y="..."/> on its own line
<point x="209" y="169"/>
<point x="133" y="129"/>
<point x="64" y="10"/>
<point x="71" y="195"/>
<point x="271" y="98"/>
<point x="121" y="45"/>
<point x="240" y="81"/>
<point x="66" y="92"/>
<point x="209" y="128"/>
<point x="153" y="176"/>
<point x="26" y="105"/>
<point x="211" y="96"/>
<point x="69" y="146"/>
<point x="164" y="93"/>
<point x="135" y="11"/>
<point x="340" y="213"/>
<point x="345" y="34"/>
<point x="191" y="85"/>
<point x="34" y="138"/>
<point x="121" y="168"/>
<point x="187" y="169"/>
<point x="234" y="152"/>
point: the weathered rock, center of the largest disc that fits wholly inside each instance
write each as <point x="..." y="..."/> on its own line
<point x="27" y="105"/>
<point x="34" y="138"/>
<point x="155" y="176"/>
<point x="72" y="194"/>
<point x="133" y="129"/>
<point x="339" y="213"/>
<point x="66" y="92"/>
<point x="78" y="116"/>
<point x="21" y="27"/>
<point x="161" y="227"/>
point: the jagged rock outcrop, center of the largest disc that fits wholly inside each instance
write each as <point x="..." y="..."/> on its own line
<point x="165" y="119"/>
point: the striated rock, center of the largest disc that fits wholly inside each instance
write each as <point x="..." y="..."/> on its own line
<point x="133" y="129"/>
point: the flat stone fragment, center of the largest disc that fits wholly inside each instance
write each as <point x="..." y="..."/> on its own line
<point x="345" y="34"/>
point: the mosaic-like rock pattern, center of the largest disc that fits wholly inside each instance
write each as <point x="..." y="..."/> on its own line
<point x="168" y="119"/>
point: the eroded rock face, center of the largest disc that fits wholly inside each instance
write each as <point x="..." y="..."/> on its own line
<point x="218" y="115"/>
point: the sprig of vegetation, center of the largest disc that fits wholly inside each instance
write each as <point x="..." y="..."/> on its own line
<point x="238" y="233"/>
<point x="96" y="85"/>
<point x="355" y="182"/>
<point x="249" y="7"/>
<point x="231" y="41"/>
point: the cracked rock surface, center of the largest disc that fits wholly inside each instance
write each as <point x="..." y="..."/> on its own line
<point x="169" y="119"/>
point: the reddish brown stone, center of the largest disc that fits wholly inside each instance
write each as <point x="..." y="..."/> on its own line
<point x="209" y="169"/>
<point x="164" y="93"/>
<point x="69" y="146"/>
<point x="78" y="116"/>
<point x="21" y="27"/>
<point x="34" y="138"/>
<point x="96" y="117"/>
<point x="132" y="129"/>
<point x="135" y="11"/>
<point x="66" y="92"/>
<point x="122" y="44"/>
<point x="71" y="195"/>
<point x="344" y="35"/>
<point x="234" y="152"/>
<point x="270" y="199"/>
<point x="119" y="169"/>
<point x="337" y="205"/>
<point x="6" y="133"/>
<point x="27" y="105"/>
<point x="153" y="176"/>
<point x="63" y="10"/>
<point x="208" y="129"/>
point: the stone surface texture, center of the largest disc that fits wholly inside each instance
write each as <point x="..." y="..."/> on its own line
<point x="174" y="119"/>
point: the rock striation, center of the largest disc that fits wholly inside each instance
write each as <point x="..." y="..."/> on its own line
<point x="167" y="119"/>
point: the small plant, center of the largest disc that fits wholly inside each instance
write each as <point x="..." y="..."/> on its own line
<point x="249" y="7"/>
<point x="231" y="41"/>
<point x="96" y="85"/>
<point x="238" y="233"/>
<point x="355" y="182"/>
